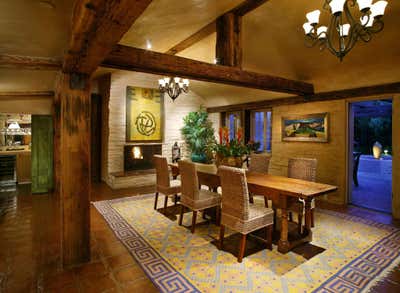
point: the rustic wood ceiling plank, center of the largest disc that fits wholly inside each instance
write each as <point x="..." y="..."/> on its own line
<point x="27" y="62"/>
<point x="134" y="59"/>
<point x="97" y="25"/>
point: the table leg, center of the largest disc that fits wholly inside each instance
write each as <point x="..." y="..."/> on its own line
<point x="283" y="243"/>
<point x="308" y="219"/>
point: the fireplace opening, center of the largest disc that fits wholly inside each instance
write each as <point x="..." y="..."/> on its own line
<point x="140" y="157"/>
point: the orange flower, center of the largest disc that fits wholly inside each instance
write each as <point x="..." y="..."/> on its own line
<point x="239" y="134"/>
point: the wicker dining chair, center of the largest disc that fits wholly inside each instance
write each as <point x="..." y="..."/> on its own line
<point x="192" y="196"/>
<point x="166" y="186"/>
<point x="237" y="212"/>
<point x="305" y="169"/>
<point x="259" y="163"/>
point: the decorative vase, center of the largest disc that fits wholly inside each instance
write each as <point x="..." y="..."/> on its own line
<point x="199" y="158"/>
<point x="229" y="161"/>
<point x="377" y="150"/>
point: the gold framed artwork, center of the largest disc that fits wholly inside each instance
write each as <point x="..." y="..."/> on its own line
<point x="144" y="115"/>
<point x="306" y="128"/>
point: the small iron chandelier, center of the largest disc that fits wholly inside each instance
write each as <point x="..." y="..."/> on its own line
<point x="173" y="86"/>
<point x="344" y="29"/>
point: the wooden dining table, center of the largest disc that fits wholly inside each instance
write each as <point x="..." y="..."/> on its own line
<point x="278" y="189"/>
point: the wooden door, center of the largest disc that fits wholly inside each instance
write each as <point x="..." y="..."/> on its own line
<point x="42" y="153"/>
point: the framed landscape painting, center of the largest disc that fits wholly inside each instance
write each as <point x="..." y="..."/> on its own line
<point x="144" y="115"/>
<point x="307" y="128"/>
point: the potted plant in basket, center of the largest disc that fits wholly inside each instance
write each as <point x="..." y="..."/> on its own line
<point x="230" y="152"/>
<point x="199" y="135"/>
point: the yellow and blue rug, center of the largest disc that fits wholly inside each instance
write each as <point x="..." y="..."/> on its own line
<point x="357" y="253"/>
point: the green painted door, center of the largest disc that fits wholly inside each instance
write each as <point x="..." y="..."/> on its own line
<point x="42" y="153"/>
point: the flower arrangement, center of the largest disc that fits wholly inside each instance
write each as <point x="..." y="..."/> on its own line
<point x="230" y="151"/>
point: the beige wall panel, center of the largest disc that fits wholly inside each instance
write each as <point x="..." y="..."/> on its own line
<point x="40" y="106"/>
<point x="331" y="156"/>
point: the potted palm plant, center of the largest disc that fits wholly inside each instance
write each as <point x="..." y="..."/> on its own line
<point x="199" y="135"/>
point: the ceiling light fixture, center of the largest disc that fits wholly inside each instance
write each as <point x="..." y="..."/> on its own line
<point x="173" y="86"/>
<point x="148" y="45"/>
<point x="344" y="29"/>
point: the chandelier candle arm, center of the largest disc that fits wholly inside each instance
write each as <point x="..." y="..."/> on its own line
<point x="344" y="30"/>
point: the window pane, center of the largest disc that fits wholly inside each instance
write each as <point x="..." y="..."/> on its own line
<point x="231" y="126"/>
<point x="269" y="131"/>
<point x="259" y="129"/>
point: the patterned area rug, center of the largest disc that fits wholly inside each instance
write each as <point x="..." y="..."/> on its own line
<point x="357" y="253"/>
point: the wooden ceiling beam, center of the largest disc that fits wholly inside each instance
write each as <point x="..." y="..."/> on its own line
<point x="26" y="62"/>
<point x="228" y="50"/>
<point x="240" y="10"/>
<point x="98" y="25"/>
<point x="382" y="89"/>
<point x="134" y="59"/>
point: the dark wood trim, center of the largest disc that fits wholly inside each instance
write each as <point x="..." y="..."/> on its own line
<point x="228" y="49"/>
<point x="27" y="62"/>
<point x="96" y="27"/>
<point x="134" y="59"/>
<point x="194" y="38"/>
<point x="382" y="89"/>
<point x="240" y="10"/>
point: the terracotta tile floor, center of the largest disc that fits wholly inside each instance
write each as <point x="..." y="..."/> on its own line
<point x="30" y="250"/>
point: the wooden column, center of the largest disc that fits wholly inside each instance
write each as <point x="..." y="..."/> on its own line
<point x="396" y="157"/>
<point x="229" y="40"/>
<point x="73" y="94"/>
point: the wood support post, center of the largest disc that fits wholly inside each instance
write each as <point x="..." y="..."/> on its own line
<point x="73" y="172"/>
<point x="229" y="40"/>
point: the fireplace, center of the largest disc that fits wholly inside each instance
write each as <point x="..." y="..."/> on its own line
<point x="140" y="157"/>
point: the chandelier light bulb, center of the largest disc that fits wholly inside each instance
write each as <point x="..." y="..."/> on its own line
<point x="344" y="30"/>
<point x="337" y="6"/>
<point x="161" y="82"/>
<point x="167" y="79"/>
<point x="313" y="17"/>
<point x="321" y="32"/>
<point x="186" y="82"/>
<point x="177" y="79"/>
<point x="364" y="5"/>
<point x="378" y="8"/>
<point x="308" y="28"/>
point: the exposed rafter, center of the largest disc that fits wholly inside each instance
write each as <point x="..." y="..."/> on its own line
<point x="240" y="10"/>
<point x="383" y="89"/>
<point x="25" y="94"/>
<point x="134" y="59"/>
<point x="97" y="25"/>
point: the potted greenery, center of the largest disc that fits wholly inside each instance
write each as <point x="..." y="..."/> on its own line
<point x="230" y="152"/>
<point x="199" y="135"/>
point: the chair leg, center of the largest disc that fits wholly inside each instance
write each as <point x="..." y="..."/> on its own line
<point x="312" y="218"/>
<point x="242" y="247"/>
<point x="218" y="216"/>
<point x="155" y="201"/>
<point x="275" y="219"/>
<point x="290" y="216"/>
<point x="221" y="236"/>
<point x="266" y="201"/>
<point x="194" y="217"/>
<point x="165" y="204"/>
<point x="176" y="199"/>
<point x="300" y="222"/>
<point x="251" y="198"/>
<point x="269" y="237"/>
<point x="181" y="215"/>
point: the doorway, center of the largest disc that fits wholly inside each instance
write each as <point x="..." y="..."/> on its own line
<point x="370" y="155"/>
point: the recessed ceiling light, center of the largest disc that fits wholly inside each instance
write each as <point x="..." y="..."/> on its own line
<point x="215" y="60"/>
<point x="148" y="45"/>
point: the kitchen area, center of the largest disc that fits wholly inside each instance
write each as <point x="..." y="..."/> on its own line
<point x="15" y="150"/>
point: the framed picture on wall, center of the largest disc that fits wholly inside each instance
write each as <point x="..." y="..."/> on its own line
<point x="144" y="115"/>
<point x="306" y="128"/>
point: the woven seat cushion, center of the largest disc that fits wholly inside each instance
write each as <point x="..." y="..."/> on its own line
<point x="174" y="188"/>
<point x="259" y="217"/>
<point x="207" y="199"/>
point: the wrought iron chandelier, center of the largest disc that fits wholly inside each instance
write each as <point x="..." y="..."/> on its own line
<point x="344" y="29"/>
<point x="173" y="86"/>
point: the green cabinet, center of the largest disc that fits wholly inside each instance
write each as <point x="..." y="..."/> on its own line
<point x="42" y="153"/>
